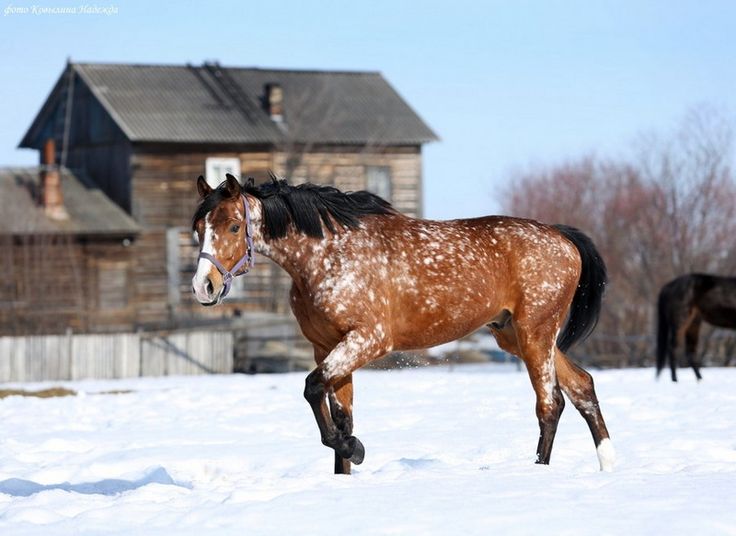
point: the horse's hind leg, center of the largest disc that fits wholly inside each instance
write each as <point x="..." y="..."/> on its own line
<point x="691" y="345"/>
<point x="577" y="384"/>
<point x="536" y="348"/>
<point x="672" y="355"/>
<point x="341" y="409"/>
<point x="682" y="323"/>
<point x="550" y="402"/>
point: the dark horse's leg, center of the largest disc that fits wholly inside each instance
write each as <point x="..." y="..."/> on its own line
<point x="691" y="344"/>
<point x="672" y="353"/>
<point x="683" y="321"/>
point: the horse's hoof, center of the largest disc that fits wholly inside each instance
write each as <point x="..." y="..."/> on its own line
<point x="357" y="449"/>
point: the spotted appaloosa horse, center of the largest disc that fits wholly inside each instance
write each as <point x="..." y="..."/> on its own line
<point x="368" y="280"/>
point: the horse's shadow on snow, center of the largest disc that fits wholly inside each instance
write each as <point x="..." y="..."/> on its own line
<point x="110" y="486"/>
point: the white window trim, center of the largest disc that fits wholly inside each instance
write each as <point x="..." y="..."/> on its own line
<point x="216" y="167"/>
<point x="386" y="183"/>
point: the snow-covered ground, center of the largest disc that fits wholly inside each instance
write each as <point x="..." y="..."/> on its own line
<point x="447" y="452"/>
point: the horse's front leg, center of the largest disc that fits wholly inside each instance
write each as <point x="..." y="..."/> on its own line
<point x="341" y="409"/>
<point x="691" y="346"/>
<point x="346" y="447"/>
<point x="672" y="356"/>
<point x="330" y="377"/>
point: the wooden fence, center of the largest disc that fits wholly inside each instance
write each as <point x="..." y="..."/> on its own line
<point x="120" y="355"/>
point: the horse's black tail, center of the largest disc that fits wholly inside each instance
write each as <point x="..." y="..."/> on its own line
<point x="586" y="304"/>
<point x="663" y="330"/>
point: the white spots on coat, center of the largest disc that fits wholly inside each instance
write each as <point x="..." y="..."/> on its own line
<point x="449" y="271"/>
<point x="353" y="350"/>
<point x="549" y="378"/>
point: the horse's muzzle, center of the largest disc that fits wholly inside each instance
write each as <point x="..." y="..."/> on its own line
<point x="206" y="294"/>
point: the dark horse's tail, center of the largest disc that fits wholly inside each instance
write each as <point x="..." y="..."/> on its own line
<point x="586" y="304"/>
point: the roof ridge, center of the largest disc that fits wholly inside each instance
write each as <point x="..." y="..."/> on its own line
<point x="186" y="65"/>
<point x="165" y="103"/>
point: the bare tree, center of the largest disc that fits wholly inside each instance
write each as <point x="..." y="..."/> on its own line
<point x="668" y="210"/>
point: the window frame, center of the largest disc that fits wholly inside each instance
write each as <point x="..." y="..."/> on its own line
<point x="384" y="172"/>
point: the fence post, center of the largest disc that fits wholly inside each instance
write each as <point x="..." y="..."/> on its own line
<point x="138" y="332"/>
<point x="70" y="357"/>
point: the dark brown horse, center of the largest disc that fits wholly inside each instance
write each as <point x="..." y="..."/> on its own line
<point x="368" y="281"/>
<point x="683" y="304"/>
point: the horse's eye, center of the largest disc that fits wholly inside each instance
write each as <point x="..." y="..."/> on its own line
<point x="235" y="228"/>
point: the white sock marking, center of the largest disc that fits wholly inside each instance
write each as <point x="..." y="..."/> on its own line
<point x="606" y="455"/>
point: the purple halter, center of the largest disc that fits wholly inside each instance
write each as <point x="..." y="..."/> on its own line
<point x="247" y="259"/>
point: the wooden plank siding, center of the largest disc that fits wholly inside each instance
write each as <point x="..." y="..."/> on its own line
<point x="344" y="168"/>
<point x="56" y="282"/>
<point x="119" y="355"/>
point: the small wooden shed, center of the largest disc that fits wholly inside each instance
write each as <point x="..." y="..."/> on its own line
<point x="65" y="264"/>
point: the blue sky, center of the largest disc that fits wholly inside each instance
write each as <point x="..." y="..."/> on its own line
<point x="506" y="85"/>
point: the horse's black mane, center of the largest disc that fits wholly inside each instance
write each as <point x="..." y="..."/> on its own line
<point x="305" y="206"/>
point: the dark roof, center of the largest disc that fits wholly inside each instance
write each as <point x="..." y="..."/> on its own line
<point x="214" y="104"/>
<point x="90" y="211"/>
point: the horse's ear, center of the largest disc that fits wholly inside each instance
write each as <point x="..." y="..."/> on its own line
<point x="233" y="186"/>
<point x="203" y="188"/>
<point x="250" y="182"/>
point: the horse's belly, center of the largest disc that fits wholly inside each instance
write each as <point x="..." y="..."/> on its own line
<point x="423" y="329"/>
<point x="722" y="317"/>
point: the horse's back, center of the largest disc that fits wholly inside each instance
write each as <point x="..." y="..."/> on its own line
<point x="713" y="296"/>
<point x="458" y="275"/>
<point x="716" y="300"/>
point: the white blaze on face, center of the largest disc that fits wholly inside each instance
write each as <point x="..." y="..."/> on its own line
<point x="199" y="281"/>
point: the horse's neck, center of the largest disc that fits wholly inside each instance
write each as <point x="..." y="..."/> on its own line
<point x="291" y="252"/>
<point x="298" y="254"/>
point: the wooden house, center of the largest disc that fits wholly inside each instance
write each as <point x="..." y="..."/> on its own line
<point x="66" y="257"/>
<point x="141" y="134"/>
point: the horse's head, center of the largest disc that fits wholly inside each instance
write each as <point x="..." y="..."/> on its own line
<point x="222" y="224"/>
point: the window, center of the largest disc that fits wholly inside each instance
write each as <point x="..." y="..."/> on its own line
<point x="216" y="169"/>
<point x="378" y="181"/>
